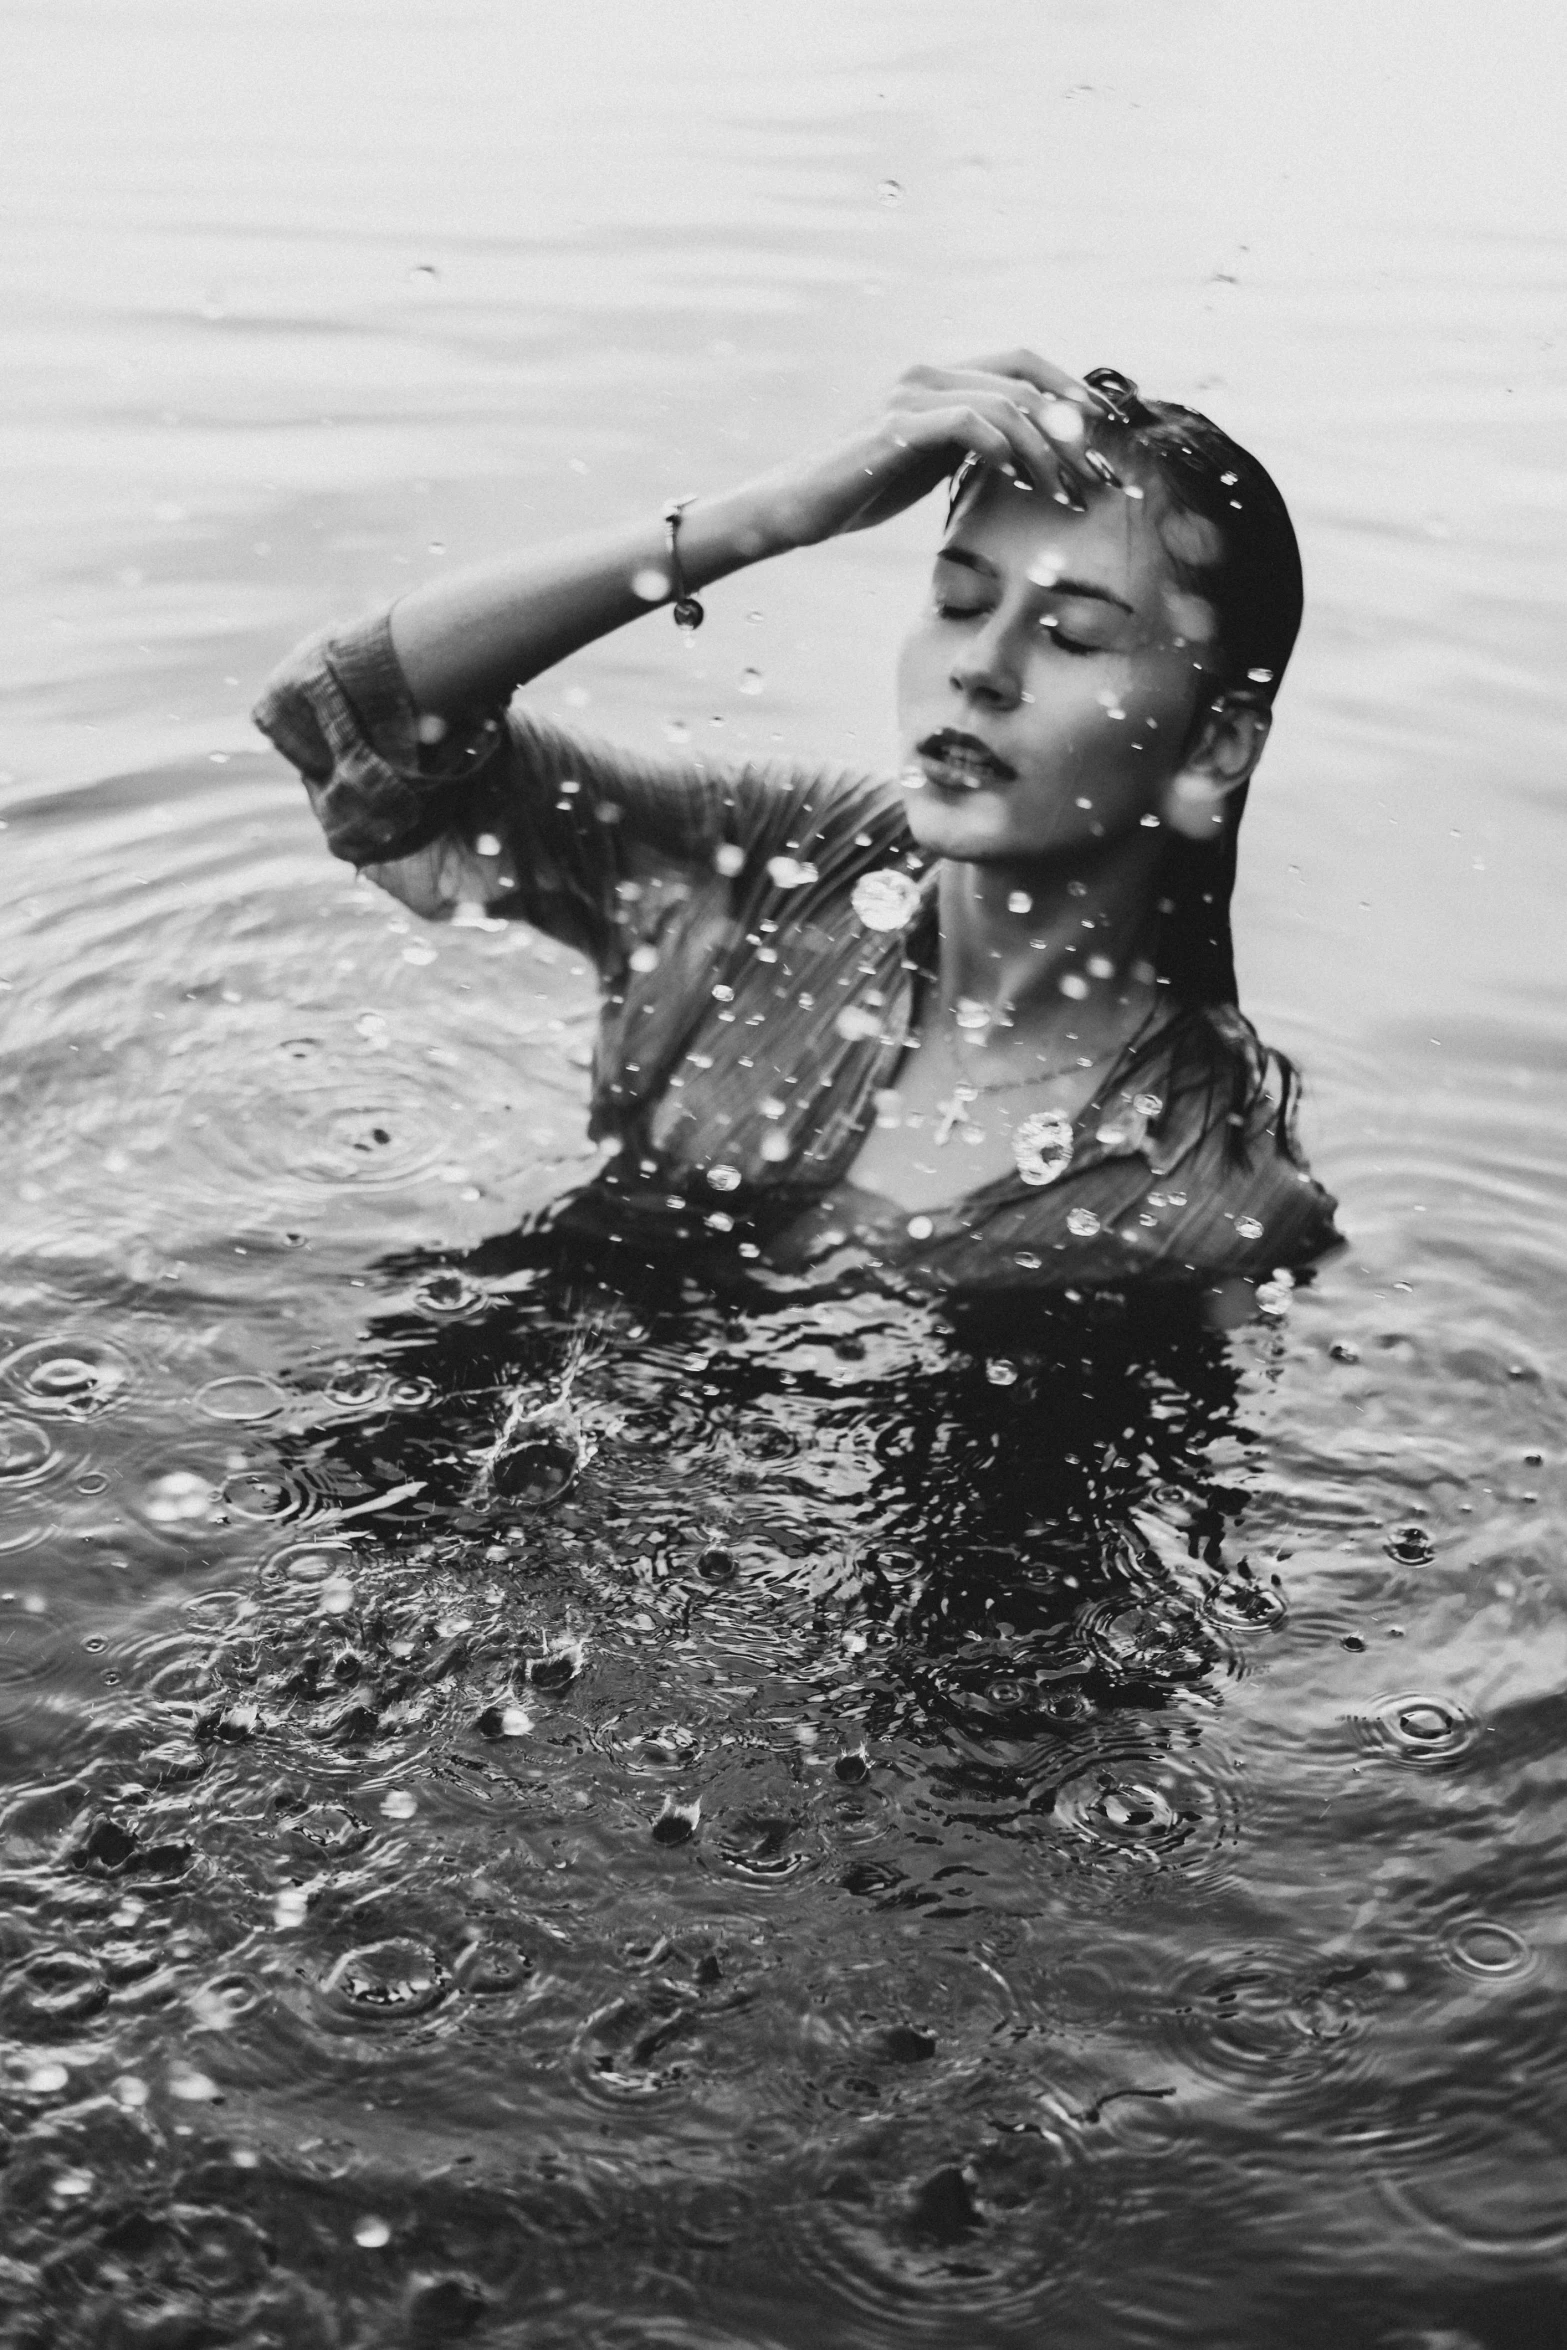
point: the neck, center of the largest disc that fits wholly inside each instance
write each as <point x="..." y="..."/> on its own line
<point x="1040" y="969"/>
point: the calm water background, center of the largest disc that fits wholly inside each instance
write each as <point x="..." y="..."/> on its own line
<point x="1173" y="1954"/>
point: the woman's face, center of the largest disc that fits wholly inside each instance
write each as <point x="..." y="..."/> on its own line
<point x="1047" y="693"/>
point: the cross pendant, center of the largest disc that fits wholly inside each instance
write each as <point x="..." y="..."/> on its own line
<point x="951" y="1112"/>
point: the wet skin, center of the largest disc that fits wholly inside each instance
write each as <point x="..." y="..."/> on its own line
<point x="1041" y="624"/>
<point x="1025" y="668"/>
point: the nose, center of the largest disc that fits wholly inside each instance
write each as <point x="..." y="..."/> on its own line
<point x="987" y="669"/>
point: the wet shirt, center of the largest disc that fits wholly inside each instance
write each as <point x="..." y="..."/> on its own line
<point x="751" y="1012"/>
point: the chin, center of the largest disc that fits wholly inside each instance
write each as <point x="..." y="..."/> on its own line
<point x="961" y="831"/>
<point x="975" y="832"/>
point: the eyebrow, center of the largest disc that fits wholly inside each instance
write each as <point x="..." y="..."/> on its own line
<point x="1058" y="587"/>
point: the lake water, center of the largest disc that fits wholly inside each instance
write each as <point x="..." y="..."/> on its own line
<point x="909" y="1847"/>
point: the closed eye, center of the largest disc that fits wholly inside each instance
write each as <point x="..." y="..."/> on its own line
<point x="1068" y="644"/>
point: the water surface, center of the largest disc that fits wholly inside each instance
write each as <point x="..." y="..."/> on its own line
<point x="924" y="1838"/>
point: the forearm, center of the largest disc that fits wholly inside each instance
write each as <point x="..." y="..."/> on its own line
<point x="472" y="638"/>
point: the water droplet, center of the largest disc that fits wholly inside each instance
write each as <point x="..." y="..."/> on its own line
<point x="1260" y="676"/>
<point x="1424" y="1723"/>
<point x="560" y="1663"/>
<point x="180" y="1498"/>
<point x="677" y="1822"/>
<point x="259" y="1494"/>
<point x="1424" y="1730"/>
<point x="1488" y="1950"/>
<point x="651" y="584"/>
<point x="1042" y="1147"/>
<point x="398" y="1977"/>
<point x="1000" y="1372"/>
<point x="751" y="681"/>
<point x="239" y="1398"/>
<point x="45" y="2079"/>
<point x="1072" y="984"/>
<point x="399" y="1804"/>
<point x="856" y="1025"/>
<point x="1029" y="1260"/>
<point x="1082" y="1223"/>
<point x="329" y="1827"/>
<point x="372" y="2233"/>
<point x="448" y="1294"/>
<point x="724" y="1178"/>
<point x="1344" y="1350"/>
<point x="1062" y="420"/>
<point x="1019" y="902"/>
<point x="729" y="859"/>
<point x="537" y="1455"/>
<point x="1412" y="1546"/>
<point x="885" y="900"/>
<point x="889" y="192"/>
<point x="191" y="2086"/>
<point x="1247" y="1228"/>
<point x="69" y="1381"/>
<point x="775" y="1147"/>
<point x="791" y="872"/>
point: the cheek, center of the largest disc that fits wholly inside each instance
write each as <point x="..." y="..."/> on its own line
<point x="919" y="667"/>
<point x="1160" y="700"/>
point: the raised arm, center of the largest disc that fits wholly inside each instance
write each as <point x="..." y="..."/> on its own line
<point x="468" y="640"/>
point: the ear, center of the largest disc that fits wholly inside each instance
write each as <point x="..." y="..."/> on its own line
<point x="1226" y="747"/>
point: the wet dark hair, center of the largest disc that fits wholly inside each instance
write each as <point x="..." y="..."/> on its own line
<point x="1247" y="568"/>
<point x="1253" y="582"/>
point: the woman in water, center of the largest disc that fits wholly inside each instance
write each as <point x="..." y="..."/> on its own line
<point x="977" y="1023"/>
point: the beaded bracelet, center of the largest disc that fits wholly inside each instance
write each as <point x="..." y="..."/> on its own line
<point x="688" y="613"/>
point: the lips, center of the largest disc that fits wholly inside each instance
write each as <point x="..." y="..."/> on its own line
<point x="962" y="763"/>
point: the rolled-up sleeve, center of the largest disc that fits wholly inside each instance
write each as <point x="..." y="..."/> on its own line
<point x="503" y="811"/>
<point x="383" y="781"/>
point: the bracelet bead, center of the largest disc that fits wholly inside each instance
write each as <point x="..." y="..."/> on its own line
<point x="687" y="611"/>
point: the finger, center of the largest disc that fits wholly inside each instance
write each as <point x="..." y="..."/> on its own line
<point x="1060" y="457"/>
<point x="1053" y="380"/>
<point x="1035" y="455"/>
<point x="1043" y="374"/>
<point x="963" y="427"/>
